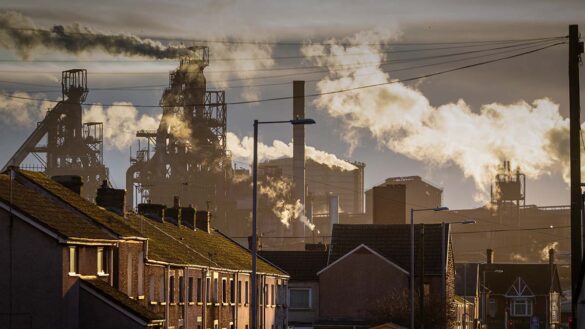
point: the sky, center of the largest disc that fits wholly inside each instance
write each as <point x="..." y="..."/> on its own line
<point x="531" y="77"/>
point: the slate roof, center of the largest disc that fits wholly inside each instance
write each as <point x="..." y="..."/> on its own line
<point x="471" y="271"/>
<point x="63" y="222"/>
<point x="300" y="265"/>
<point x="101" y="216"/>
<point x="392" y="242"/>
<point x="536" y="276"/>
<point x="32" y="193"/>
<point x="122" y="300"/>
<point x="182" y="245"/>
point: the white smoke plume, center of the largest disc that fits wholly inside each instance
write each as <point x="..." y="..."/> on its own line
<point x="242" y="150"/>
<point x="239" y="61"/>
<point x="515" y="257"/>
<point x="22" y="109"/>
<point x="531" y="135"/>
<point x="178" y="128"/>
<point x="544" y="252"/>
<point x="20" y="34"/>
<point x="121" y="121"/>
<point x="278" y="192"/>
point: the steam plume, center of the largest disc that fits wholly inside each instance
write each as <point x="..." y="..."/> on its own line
<point x="242" y="150"/>
<point x="19" y="33"/>
<point x="277" y="191"/>
<point x="22" y="111"/>
<point x="121" y="121"/>
<point x="531" y="135"/>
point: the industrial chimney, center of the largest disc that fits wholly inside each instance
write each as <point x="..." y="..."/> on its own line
<point x="299" y="150"/>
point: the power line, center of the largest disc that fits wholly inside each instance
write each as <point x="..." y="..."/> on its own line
<point x="320" y="67"/>
<point x="334" y="91"/>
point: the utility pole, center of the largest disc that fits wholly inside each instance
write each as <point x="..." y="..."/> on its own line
<point x="575" y="50"/>
<point x="421" y="295"/>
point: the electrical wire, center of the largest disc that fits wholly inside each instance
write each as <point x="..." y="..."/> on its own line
<point x="328" y="92"/>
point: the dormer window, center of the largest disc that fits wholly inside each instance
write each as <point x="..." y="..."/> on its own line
<point x="521" y="307"/>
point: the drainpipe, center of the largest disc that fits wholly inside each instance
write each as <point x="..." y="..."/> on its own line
<point x="185" y="297"/>
<point x="204" y="298"/>
<point x="167" y="283"/>
<point x="236" y="294"/>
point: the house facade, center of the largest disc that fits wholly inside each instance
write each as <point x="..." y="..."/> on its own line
<point x="73" y="264"/>
<point x="467" y="293"/>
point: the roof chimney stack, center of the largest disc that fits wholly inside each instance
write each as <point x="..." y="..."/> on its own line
<point x="71" y="182"/>
<point x="110" y="198"/>
<point x="202" y="221"/>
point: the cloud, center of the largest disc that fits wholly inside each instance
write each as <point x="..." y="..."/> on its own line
<point x="22" y="109"/>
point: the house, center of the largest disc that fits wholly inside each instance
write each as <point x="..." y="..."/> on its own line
<point x="520" y="295"/>
<point x="467" y="291"/>
<point x="73" y="264"/>
<point x="366" y="281"/>
<point x="303" y="287"/>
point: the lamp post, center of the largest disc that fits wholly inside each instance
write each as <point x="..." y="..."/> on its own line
<point x="484" y="308"/>
<point x="444" y="263"/>
<point x="254" y="301"/>
<point x="411" y="293"/>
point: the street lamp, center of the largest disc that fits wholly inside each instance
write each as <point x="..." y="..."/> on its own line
<point x="411" y="293"/>
<point x="297" y="121"/>
<point x="443" y="263"/>
<point x="484" y="308"/>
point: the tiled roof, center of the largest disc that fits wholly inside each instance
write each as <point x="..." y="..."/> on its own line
<point x="536" y="276"/>
<point x="182" y="245"/>
<point x="122" y="300"/>
<point x="300" y="265"/>
<point x="101" y="216"/>
<point x="392" y="242"/>
<point x="63" y="222"/>
<point x="466" y="276"/>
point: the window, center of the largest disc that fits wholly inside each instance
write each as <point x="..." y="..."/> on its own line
<point x="161" y="289"/>
<point x="172" y="289"/>
<point x="272" y="294"/>
<point x="492" y="307"/>
<point x="151" y="288"/>
<point x="232" y="291"/>
<point x="190" y="296"/>
<point x="129" y="274"/>
<point x="73" y="260"/>
<point x="199" y="290"/>
<point x="223" y="290"/>
<point x="246" y="293"/>
<point x="239" y="291"/>
<point x="521" y="307"/>
<point x="265" y="295"/>
<point x="208" y="290"/>
<point x="215" y="290"/>
<point x="181" y="289"/>
<point x="141" y="274"/>
<point x="100" y="260"/>
<point x="300" y="298"/>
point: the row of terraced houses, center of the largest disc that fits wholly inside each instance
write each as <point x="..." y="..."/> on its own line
<point x="70" y="263"/>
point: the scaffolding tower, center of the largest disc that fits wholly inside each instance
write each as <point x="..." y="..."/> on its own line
<point x="72" y="147"/>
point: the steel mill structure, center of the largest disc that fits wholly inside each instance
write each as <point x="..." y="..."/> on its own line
<point x="186" y="156"/>
<point x="70" y="147"/>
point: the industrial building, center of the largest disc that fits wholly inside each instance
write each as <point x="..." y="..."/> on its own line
<point x="62" y="144"/>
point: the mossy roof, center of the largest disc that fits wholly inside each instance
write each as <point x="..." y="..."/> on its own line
<point x="122" y="300"/>
<point x="110" y="220"/>
<point x="175" y="244"/>
<point x="63" y="222"/>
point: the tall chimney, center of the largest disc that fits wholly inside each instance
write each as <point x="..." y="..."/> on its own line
<point x="299" y="150"/>
<point x="489" y="256"/>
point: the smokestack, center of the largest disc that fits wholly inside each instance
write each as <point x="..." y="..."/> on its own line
<point x="71" y="182"/>
<point x="551" y="257"/>
<point x="489" y="256"/>
<point x="299" y="150"/>
<point x="110" y="198"/>
<point x="333" y="209"/>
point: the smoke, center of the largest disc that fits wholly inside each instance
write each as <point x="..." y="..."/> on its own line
<point x="19" y="33"/>
<point x="239" y="61"/>
<point x="121" y="121"/>
<point x="278" y="191"/>
<point x="515" y="257"/>
<point x="21" y="109"/>
<point x="532" y="136"/>
<point x="544" y="251"/>
<point x="178" y="128"/>
<point x="242" y="150"/>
